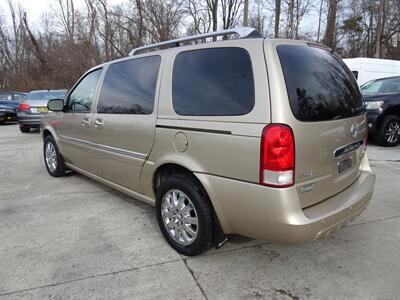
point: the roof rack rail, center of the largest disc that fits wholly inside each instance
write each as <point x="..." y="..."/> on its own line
<point x="242" y="32"/>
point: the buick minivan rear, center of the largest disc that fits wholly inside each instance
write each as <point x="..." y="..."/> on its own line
<point x="314" y="172"/>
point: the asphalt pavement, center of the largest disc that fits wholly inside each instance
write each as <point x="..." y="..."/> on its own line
<point x="73" y="238"/>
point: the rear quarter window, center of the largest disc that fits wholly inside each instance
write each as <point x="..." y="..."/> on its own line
<point x="213" y="82"/>
<point x="319" y="85"/>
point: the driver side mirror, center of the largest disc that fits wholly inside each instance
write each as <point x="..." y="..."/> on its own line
<point x="55" y="104"/>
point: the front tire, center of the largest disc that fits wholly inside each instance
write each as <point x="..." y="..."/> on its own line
<point x="184" y="215"/>
<point x="52" y="158"/>
<point x="24" y="129"/>
<point x="389" y="132"/>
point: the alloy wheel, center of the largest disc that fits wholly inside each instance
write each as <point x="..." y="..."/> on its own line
<point x="179" y="217"/>
<point x="51" y="157"/>
<point x="392" y="132"/>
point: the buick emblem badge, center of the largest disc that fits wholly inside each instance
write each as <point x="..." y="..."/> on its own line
<point x="353" y="130"/>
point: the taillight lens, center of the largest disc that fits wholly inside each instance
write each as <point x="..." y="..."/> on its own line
<point x="277" y="156"/>
<point x="24" y="106"/>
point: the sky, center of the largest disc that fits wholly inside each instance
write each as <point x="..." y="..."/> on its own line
<point x="34" y="8"/>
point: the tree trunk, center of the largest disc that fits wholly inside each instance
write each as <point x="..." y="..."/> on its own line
<point x="290" y="20"/>
<point x="379" y="30"/>
<point x="331" y="24"/>
<point x="277" y="17"/>
<point x="319" y="20"/>
<point x="140" y="25"/>
<point x="215" y="15"/>
<point x="246" y="13"/>
<point x="296" y="31"/>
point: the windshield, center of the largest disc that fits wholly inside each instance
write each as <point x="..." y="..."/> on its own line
<point x="45" y="95"/>
<point x="319" y="85"/>
<point x="381" y="86"/>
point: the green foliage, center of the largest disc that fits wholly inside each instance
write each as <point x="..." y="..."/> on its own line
<point x="352" y="25"/>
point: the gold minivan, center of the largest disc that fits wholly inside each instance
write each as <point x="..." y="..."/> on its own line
<point x="241" y="135"/>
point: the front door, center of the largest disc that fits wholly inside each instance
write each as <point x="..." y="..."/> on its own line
<point x="124" y="122"/>
<point x="76" y="125"/>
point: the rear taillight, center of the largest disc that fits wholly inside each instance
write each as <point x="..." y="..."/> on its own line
<point x="24" y="106"/>
<point x="277" y="158"/>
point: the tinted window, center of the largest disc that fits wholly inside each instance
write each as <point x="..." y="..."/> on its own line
<point x="213" y="82"/>
<point x="319" y="85"/>
<point x="81" y="98"/>
<point x="129" y="87"/>
<point x="382" y="86"/>
<point x="371" y="87"/>
<point x="45" y="95"/>
<point x="5" y="96"/>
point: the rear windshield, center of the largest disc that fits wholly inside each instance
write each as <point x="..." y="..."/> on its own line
<point x="319" y="85"/>
<point x="45" y="95"/>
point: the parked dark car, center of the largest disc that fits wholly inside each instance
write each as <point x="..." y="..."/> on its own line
<point x="31" y="110"/>
<point x="382" y="99"/>
<point x="12" y="99"/>
<point x="7" y="114"/>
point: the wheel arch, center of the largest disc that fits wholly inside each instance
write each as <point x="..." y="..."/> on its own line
<point x="47" y="130"/>
<point x="168" y="169"/>
<point x="392" y="110"/>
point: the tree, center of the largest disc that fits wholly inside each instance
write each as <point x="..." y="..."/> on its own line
<point x="246" y="13"/>
<point x="230" y="12"/>
<point x="277" y="17"/>
<point x="319" y="19"/>
<point x="213" y="9"/>
<point x="201" y="17"/>
<point x="69" y="40"/>
<point x="331" y="24"/>
<point x="379" y="28"/>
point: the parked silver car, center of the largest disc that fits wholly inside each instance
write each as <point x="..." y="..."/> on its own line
<point x="34" y="107"/>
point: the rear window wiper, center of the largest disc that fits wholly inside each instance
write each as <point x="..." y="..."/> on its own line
<point x="354" y="111"/>
<point x="360" y="109"/>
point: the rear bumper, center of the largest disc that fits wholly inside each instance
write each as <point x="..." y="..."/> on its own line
<point x="276" y="215"/>
<point x="31" y="120"/>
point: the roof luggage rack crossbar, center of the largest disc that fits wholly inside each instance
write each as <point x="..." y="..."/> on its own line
<point x="242" y="32"/>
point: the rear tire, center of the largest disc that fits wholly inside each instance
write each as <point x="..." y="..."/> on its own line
<point x="52" y="158"/>
<point x="388" y="134"/>
<point x="187" y="225"/>
<point x="24" y="129"/>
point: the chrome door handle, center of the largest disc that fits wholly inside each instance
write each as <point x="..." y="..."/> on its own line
<point x="85" y="122"/>
<point x="98" y="123"/>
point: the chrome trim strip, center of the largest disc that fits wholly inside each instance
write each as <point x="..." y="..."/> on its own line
<point x="346" y="149"/>
<point x="102" y="147"/>
<point x="194" y="129"/>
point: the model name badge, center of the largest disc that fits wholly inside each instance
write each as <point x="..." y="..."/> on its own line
<point x="307" y="188"/>
<point x="306" y="173"/>
<point x="347" y="149"/>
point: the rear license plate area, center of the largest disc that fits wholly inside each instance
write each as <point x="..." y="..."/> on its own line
<point x="42" y="110"/>
<point x="344" y="165"/>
